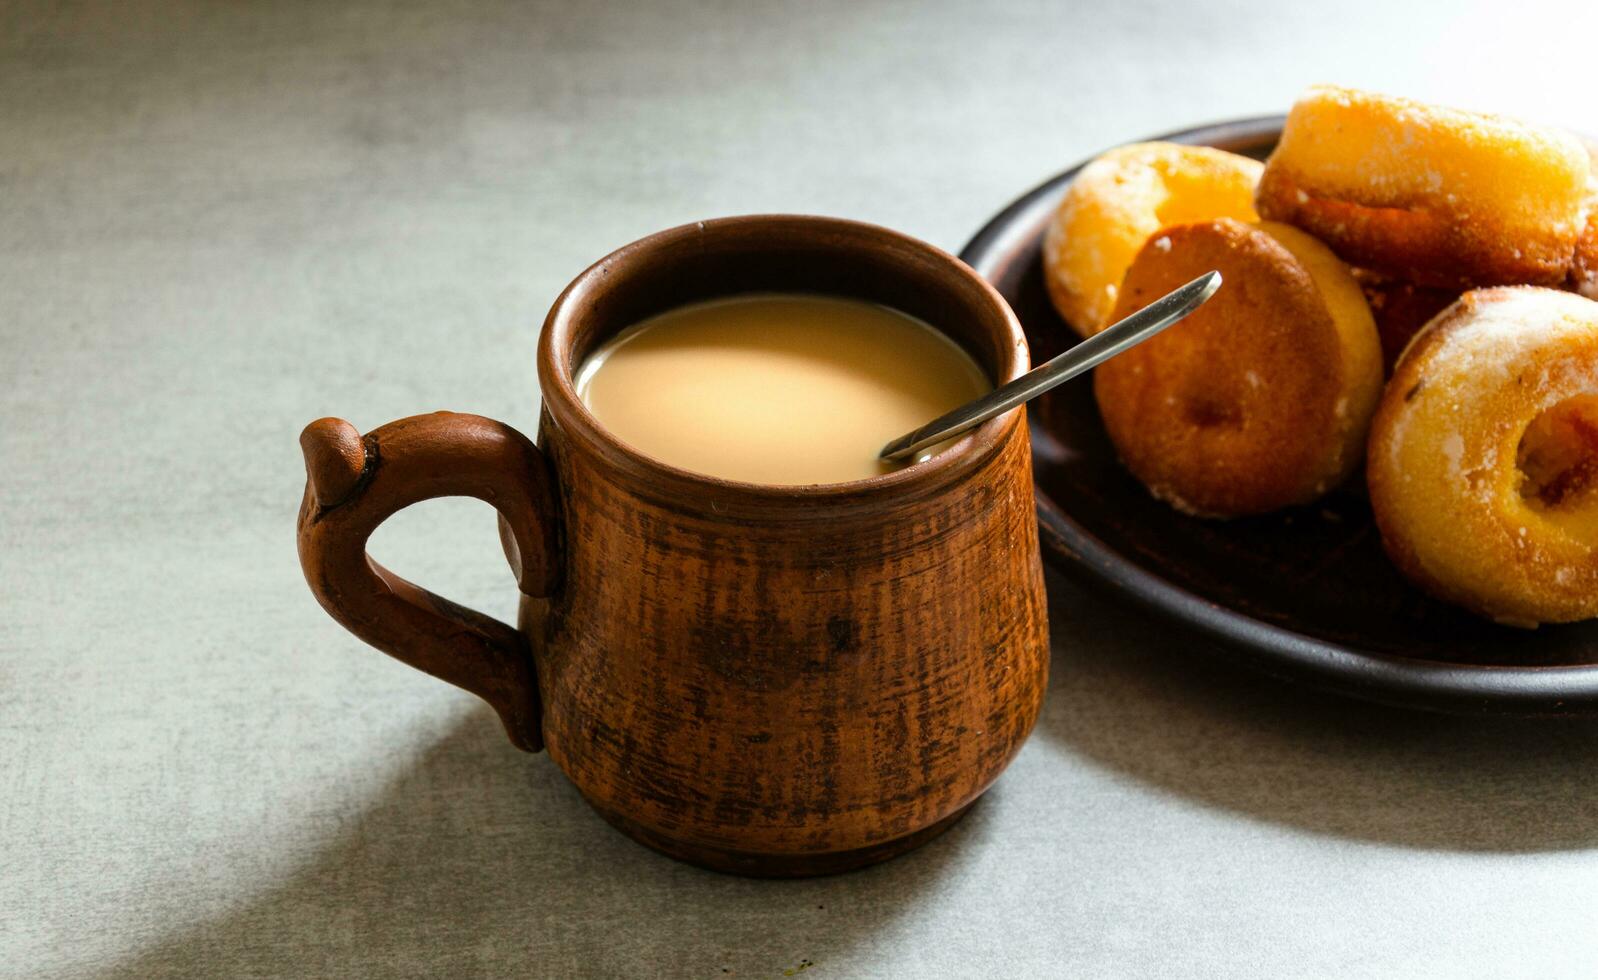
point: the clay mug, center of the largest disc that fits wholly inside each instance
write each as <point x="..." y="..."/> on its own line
<point x="768" y="680"/>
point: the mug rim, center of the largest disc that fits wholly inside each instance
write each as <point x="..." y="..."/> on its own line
<point x="562" y="403"/>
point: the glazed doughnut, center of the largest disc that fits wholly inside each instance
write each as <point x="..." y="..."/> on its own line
<point x="1400" y="309"/>
<point x="1483" y="458"/>
<point x="1434" y="196"/>
<point x="1118" y="201"/>
<point x="1260" y="399"/>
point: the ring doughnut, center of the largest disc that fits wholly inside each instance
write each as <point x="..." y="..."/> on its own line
<point x="1258" y="400"/>
<point x="1483" y="457"/>
<point x="1118" y="201"/>
<point x="1433" y="196"/>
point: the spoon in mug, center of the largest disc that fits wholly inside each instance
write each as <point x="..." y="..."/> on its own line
<point x="1097" y="349"/>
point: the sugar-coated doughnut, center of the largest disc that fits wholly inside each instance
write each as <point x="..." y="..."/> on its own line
<point x="1483" y="456"/>
<point x="1118" y="201"/>
<point x="1429" y="195"/>
<point x="1260" y="399"/>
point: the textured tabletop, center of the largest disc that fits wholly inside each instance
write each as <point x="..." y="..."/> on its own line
<point x="220" y="221"/>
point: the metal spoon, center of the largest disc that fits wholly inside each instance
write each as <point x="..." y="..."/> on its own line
<point x="1097" y="349"/>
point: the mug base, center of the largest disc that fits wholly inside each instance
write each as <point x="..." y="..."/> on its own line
<point x="755" y="865"/>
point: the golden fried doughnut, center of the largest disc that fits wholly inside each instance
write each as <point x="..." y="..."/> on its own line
<point x="1122" y="198"/>
<point x="1584" y="270"/>
<point x="1433" y="196"/>
<point x="1400" y="309"/>
<point x="1483" y="460"/>
<point x="1260" y="399"/>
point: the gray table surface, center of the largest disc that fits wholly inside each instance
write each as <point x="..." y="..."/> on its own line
<point x="219" y="221"/>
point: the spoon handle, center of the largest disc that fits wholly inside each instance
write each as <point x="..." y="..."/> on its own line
<point x="1097" y="349"/>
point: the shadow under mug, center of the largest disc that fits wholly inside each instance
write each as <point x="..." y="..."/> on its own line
<point x="767" y="680"/>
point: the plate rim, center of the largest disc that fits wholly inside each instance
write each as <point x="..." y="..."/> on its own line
<point x="1532" y="690"/>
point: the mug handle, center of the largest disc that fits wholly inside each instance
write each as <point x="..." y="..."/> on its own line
<point x="353" y="484"/>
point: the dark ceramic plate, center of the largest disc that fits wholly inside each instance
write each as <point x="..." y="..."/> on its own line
<point x="1306" y="594"/>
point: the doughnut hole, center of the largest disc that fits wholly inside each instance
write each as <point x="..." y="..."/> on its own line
<point x="1558" y="463"/>
<point x="1206" y="410"/>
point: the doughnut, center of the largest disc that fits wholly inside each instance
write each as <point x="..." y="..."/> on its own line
<point x="1258" y="400"/>
<point x="1483" y="457"/>
<point x="1584" y="269"/>
<point x="1118" y="201"/>
<point x="1400" y="309"/>
<point x="1433" y="196"/>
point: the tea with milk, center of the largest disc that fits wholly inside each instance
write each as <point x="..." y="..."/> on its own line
<point x="776" y="388"/>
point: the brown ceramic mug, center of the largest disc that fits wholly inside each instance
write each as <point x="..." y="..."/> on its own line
<point x="769" y="680"/>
